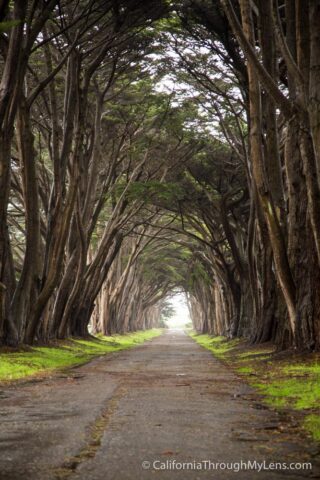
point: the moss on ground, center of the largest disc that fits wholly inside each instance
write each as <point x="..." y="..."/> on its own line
<point x="38" y="360"/>
<point x="312" y="423"/>
<point x="289" y="381"/>
<point x="247" y="370"/>
<point x="219" y="346"/>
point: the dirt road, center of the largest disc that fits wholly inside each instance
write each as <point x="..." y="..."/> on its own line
<point x="141" y="414"/>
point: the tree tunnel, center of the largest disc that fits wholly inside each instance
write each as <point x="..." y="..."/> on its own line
<point x="150" y="147"/>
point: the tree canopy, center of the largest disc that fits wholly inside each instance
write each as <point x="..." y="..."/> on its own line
<point x="148" y="147"/>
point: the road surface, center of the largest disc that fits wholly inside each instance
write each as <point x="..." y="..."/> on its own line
<point x="163" y="410"/>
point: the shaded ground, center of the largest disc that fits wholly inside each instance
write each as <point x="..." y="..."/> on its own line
<point x="167" y="400"/>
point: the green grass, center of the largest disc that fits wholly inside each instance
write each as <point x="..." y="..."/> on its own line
<point x="246" y="370"/>
<point x="219" y="346"/>
<point x="38" y="360"/>
<point x="261" y="354"/>
<point x="299" y="393"/>
<point x="312" y="423"/>
<point x="293" y="383"/>
<point x="303" y="369"/>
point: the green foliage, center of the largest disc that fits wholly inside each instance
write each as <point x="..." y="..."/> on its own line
<point x="198" y="272"/>
<point x="167" y="312"/>
<point x="6" y="26"/>
<point x="165" y="266"/>
<point x="171" y="24"/>
<point x="155" y="192"/>
<point x="39" y="360"/>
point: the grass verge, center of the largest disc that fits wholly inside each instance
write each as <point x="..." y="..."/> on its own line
<point x="28" y="362"/>
<point x="286" y="380"/>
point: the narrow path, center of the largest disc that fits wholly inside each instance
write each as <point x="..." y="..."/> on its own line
<point x="166" y="401"/>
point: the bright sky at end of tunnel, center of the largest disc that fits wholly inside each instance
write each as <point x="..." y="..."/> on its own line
<point x="181" y="317"/>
